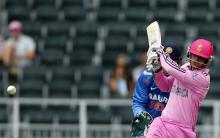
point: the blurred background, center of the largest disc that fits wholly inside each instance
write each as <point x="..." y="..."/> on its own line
<point x="75" y="63"/>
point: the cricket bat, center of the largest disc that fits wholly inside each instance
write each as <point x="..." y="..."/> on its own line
<point x="154" y="38"/>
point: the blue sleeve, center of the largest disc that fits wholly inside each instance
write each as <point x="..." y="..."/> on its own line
<point x="140" y="94"/>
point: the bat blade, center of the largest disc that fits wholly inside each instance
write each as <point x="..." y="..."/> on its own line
<point x="153" y="33"/>
<point x="154" y="38"/>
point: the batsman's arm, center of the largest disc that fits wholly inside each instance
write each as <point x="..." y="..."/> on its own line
<point x="186" y="76"/>
<point x="140" y="94"/>
<point x="163" y="82"/>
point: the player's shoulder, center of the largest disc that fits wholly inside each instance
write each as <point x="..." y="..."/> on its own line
<point x="147" y="73"/>
<point x="204" y="73"/>
<point x="26" y="37"/>
<point x="145" y="79"/>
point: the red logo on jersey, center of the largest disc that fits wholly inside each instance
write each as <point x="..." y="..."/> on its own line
<point x="144" y="81"/>
<point x="157" y="106"/>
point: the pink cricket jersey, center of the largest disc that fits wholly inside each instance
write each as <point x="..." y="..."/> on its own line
<point x="187" y="88"/>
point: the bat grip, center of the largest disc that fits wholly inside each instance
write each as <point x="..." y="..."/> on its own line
<point x="154" y="50"/>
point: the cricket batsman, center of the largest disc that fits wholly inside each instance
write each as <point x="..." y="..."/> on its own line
<point x="148" y="100"/>
<point x="188" y="86"/>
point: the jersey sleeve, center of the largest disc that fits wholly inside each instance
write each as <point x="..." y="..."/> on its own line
<point x="140" y="95"/>
<point x="163" y="82"/>
<point x="191" y="79"/>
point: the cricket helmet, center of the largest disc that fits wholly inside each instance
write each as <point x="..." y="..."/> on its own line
<point x="202" y="48"/>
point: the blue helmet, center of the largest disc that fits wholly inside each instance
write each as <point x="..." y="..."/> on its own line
<point x="173" y="50"/>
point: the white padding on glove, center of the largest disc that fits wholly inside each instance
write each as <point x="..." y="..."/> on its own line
<point x="154" y="48"/>
<point x="152" y="58"/>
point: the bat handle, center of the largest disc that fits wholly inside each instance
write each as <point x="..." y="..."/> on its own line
<point x="150" y="66"/>
<point x="154" y="50"/>
<point x="155" y="61"/>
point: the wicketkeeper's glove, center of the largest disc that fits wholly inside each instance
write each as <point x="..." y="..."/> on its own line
<point x="140" y="123"/>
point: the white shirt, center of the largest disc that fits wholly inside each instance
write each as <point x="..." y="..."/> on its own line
<point x="23" y="45"/>
<point x="137" y="72"/>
